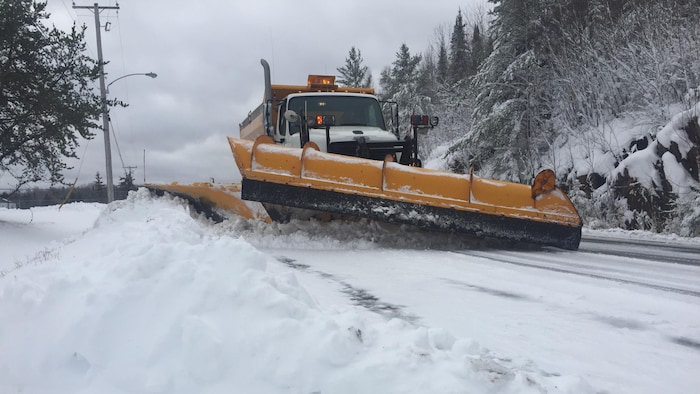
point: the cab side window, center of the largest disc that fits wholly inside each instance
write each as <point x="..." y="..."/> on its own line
<point x="281" y="122"/>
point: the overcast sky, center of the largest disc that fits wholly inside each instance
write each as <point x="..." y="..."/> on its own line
<point x="207" y="57"/>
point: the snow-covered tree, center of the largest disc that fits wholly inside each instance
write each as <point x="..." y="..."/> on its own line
<point x="401" y="76"/>
<point x="509" y="120"/>
<point x="479" y="50"/>
<point x="460" y="62"/>
<point x="442" y="62"/>
<point x="354" y="74"/>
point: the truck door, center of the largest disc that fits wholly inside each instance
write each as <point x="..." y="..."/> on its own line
<point x="287" y="133"/>
<point x="281" y="129"/>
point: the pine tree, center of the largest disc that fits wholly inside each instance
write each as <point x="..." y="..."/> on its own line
<point x="98" y="185"/>
<point x="478" y="49"/>
<point x="354" y="74"/>
<point x="369" y="82"/>
<point x="442" y="63"/>
<point x="402" y="75"/>
<point x="400" y="83"/>
<point x="508" y="128"/>
<point x="46" y="93"/>
<point x="126" y="182"/>
<point x="459" y="51"/>
<point x="426" y="78"/>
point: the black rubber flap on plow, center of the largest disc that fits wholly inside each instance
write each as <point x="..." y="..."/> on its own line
<point x="424" y="216"/>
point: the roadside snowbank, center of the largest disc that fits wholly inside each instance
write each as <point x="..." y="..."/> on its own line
<point x="643" y="165"/>
<point x="151" y="300"/>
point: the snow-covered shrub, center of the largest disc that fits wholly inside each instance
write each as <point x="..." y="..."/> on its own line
<point x="686" y="219"/>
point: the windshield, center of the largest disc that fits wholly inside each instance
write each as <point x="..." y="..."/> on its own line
<point x="348" y="110"/>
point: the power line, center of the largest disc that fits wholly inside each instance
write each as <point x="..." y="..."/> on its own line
<point x="68" y="10"/>
<point x="116" y="142"/>
<point x="128" y="109"/>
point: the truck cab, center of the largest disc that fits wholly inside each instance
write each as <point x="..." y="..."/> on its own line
<point x="339" y="122"/>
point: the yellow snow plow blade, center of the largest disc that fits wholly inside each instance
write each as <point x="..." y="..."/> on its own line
<point x="387" y="191"/>
<point x="215" y="200"/>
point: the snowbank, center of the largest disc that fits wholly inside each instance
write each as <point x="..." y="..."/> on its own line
<point x="641" y="165"/>
<point x="151" y="300"/>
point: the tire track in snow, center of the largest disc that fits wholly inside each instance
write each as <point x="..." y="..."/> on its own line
<point x="358" y="296"/>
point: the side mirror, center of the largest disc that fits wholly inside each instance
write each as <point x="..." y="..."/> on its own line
<point x="291" y="116"/>
<point x="424" y="121"/>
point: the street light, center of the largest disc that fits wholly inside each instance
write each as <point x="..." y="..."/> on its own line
<point x="105" y="125"/>
<point x="152" y="75"/>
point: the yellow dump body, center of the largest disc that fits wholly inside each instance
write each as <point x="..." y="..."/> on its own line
<point x="310" y="179"/>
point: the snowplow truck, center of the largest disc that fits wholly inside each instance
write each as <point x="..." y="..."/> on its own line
<point x="342" y="120"/>
<point x="320" y="150"/>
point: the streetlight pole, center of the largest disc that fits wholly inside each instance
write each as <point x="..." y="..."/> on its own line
<point x="105" y="124"/>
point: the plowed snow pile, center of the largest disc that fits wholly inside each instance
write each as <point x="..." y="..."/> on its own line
<point x="154" y="300"/>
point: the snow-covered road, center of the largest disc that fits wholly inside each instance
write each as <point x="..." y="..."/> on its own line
<point x="625" y="324"/>
<point x="645" y="249"/>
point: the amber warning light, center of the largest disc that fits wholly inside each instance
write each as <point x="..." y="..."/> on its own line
<point x="325" y="120"/>
<point x="322" y="82"/>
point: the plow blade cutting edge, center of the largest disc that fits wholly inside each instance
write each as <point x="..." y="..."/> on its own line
<point x="387" y="191"/>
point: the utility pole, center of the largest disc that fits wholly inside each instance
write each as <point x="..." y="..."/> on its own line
<point x="144" y="166"/>
<point x="96" y="8"/>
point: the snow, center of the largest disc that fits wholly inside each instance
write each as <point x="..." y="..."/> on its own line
<point x="639" y="235"/>
<point x="677" y="175"/>
<point x="493" y="182"/>
<point x="26" y="233"/>
<point x="595" y="150"/>
<point x="144" y="296"/>
<point x="611" y="139"/>
<point x="641" y="164"/>
<point x="672" y="131"/>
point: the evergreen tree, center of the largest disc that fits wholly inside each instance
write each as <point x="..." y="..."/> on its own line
<point x="459" y="51"/>
<point x="442" y="63"/>
<point x="369" y="82"/>
<point x="354" y="74"/>
<point x="126" y="182"/>
<point x="426" y="79"/>
<point x="46" y="93"/>
<point x="400" y="83"/>
<point x="402" y="75"/>
<point x="510" y="119"/>
<point x="478" y="49"/>
<point x="98" y="185"/>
